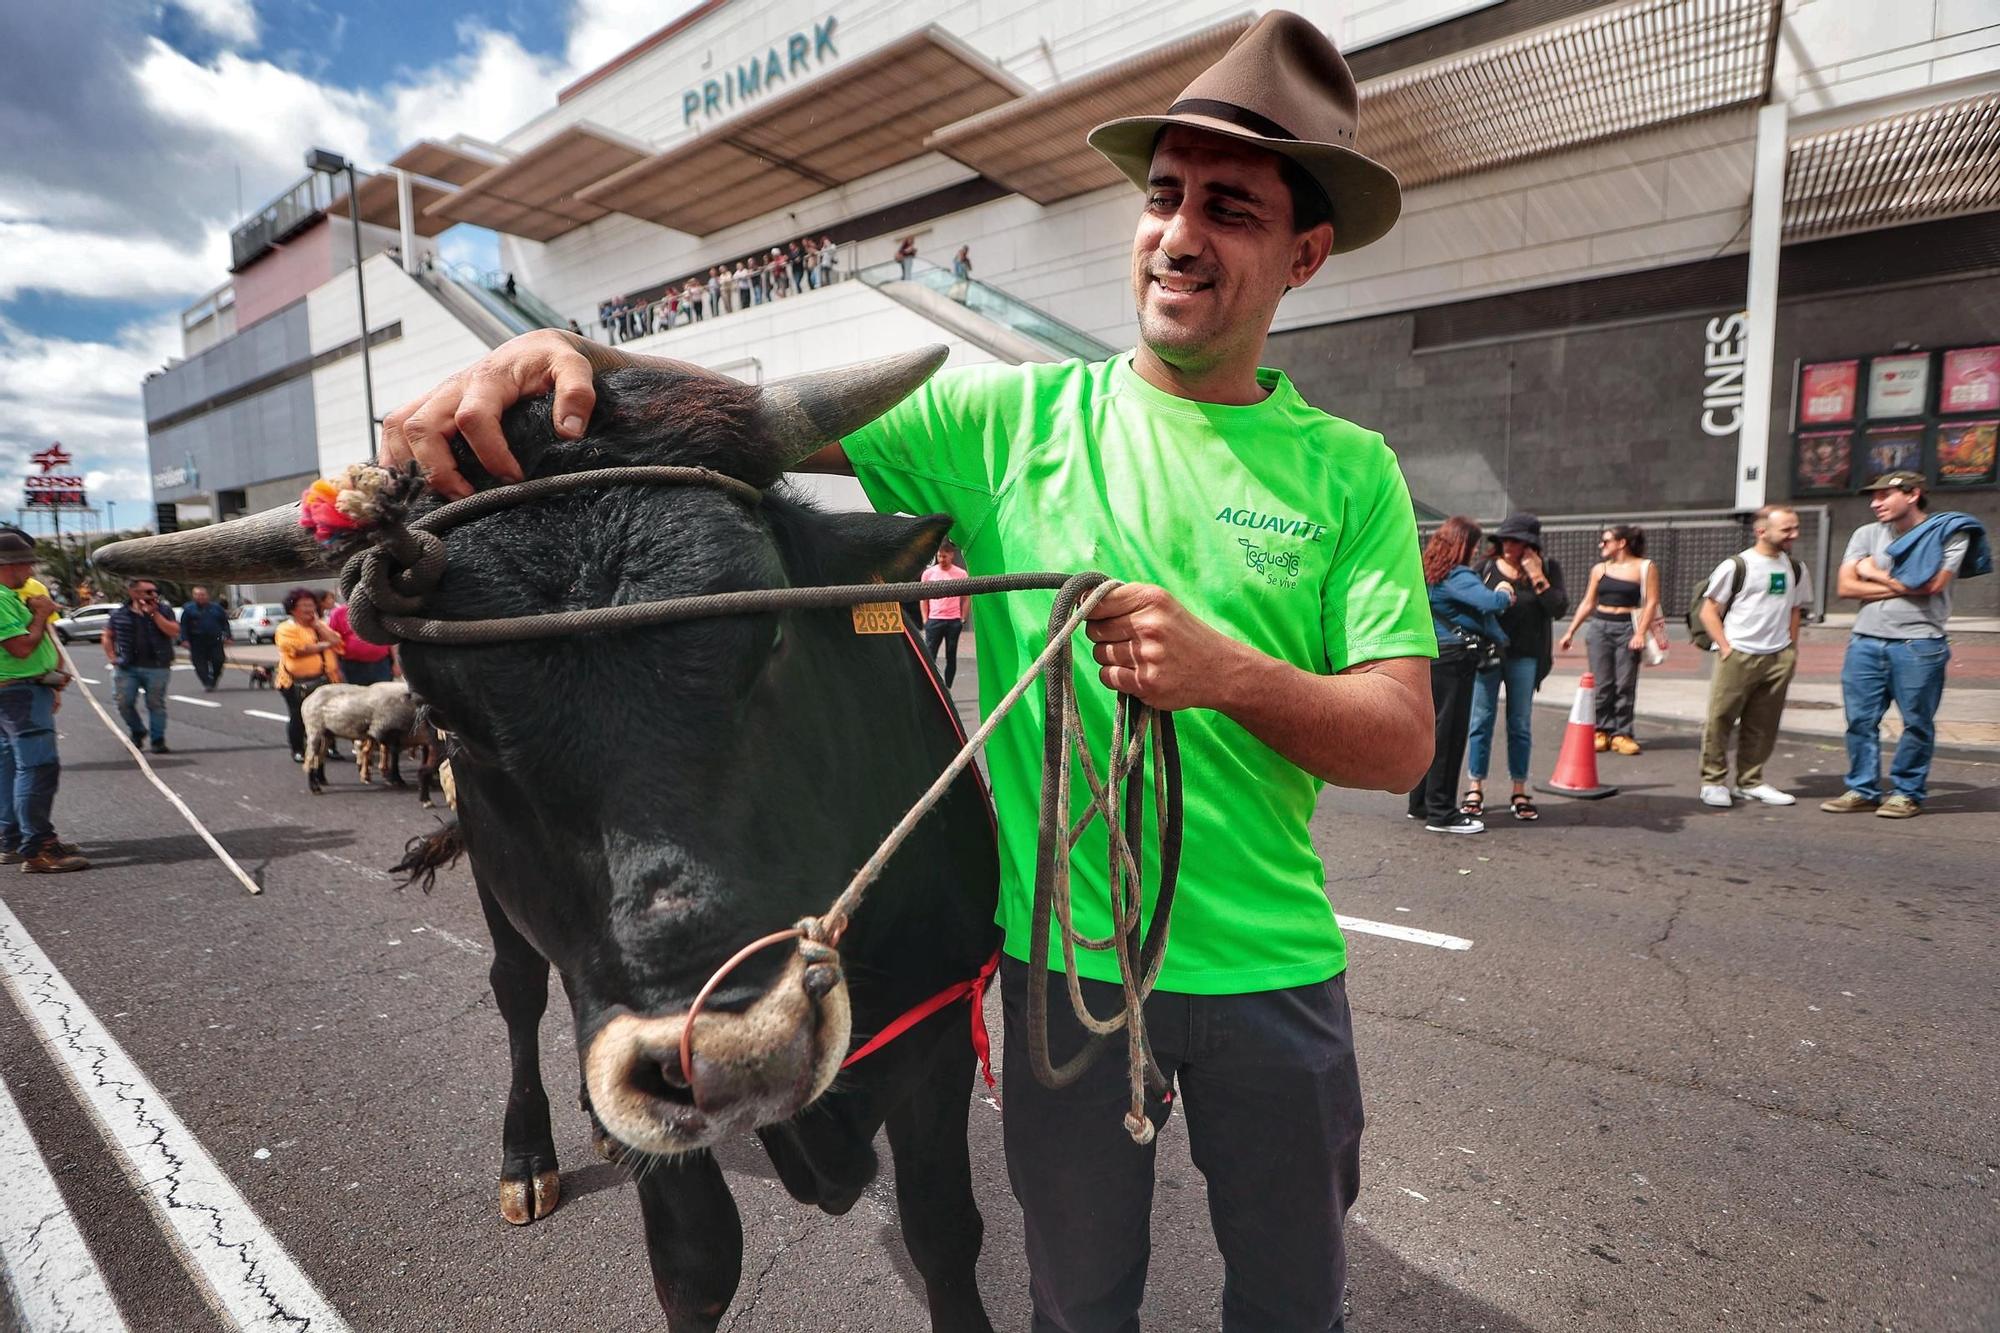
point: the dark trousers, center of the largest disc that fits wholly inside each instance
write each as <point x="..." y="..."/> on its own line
<point x="295" y="722"/>
<point x="1436" y="797"/>
<point x="29" y="767"/>
<point x="206" y="654"/>
<point x="1272" y="1100"/>
<point x="368" y="673"/>
<point x="944" y="632"/>
<point x="1615" y="663"/>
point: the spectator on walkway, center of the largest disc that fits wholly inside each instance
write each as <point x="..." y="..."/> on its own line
<point x="694" y="299"/>
<point x="961" y="274"/>
<point x="1900" y="568"/>
<point x="795" y="263"/>
<point x="139" y="642"/>
<point x="945" y="617"/>
<point x="906" y="255"/>
<point x="308" y="657"/>
<point x="1752" y="608"/>
<point x="774" y="274"/>
<point x="204" y="629"/>
<point x="718" y="292"/>
<point x="362" y="662"/>
<point x="829" y="261"/>
<point x="31" y="684"/>
<point x="1529" y="625"/>
<point x="743" y="280"/>
<point x="1620" y="604"/>
<point x="1465" y="616"/>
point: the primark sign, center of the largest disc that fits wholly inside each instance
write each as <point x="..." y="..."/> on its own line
<point x="771" y="68"/>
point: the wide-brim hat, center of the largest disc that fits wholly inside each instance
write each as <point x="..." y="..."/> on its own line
<point x="1284" y="87"/>
<point x="1520" y="528"/>
<point x="15" y="549"/>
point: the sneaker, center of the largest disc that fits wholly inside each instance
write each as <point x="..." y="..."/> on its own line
<point x="1768" y="794"/>
<point x="1603" y="741"/>
<point x="1456" y="823"/>
<point x="1714" y="793"/>
<point x="1899" y="806"/>
<point x="1847" y="803"/>
<point x="54" y="860"/>
<point x="138" y="738"/>
<point x="1624" y="745"/>
<point x="160" y="747"/>
<point x="14" y="856"/>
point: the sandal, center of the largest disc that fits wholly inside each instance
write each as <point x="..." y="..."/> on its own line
<point x="1524" y="808"/>
<point x="1474" y="804"/>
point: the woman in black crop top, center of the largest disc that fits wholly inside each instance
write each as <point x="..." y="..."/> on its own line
<point x="1620" y="605"/>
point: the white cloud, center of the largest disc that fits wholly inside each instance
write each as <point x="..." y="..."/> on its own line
<point x="492" y="87"/>
<point x="601" y="29"/>
<point x="90" y="264"/>
<point x="267" y="115"/>
<point x="85" y="394"/>
<point x="230" y="20"/>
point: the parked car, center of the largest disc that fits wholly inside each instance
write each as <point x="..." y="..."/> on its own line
<point x="86" y="622"/>
<point x="257" y="622"/>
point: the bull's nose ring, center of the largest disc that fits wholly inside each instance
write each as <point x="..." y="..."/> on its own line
<point x="708" y="989"/>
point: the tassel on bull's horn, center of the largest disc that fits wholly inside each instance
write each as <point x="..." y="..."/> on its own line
<point x="802" y="415"/>
<point x="269" y="547"/>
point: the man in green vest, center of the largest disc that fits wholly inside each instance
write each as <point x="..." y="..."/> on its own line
<point x="30" y="681"/>
<point x="1273" y="597"/>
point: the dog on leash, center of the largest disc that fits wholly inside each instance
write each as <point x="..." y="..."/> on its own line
<point x="260" y="677"/>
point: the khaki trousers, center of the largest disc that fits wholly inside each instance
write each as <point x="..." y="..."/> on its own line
<point x="1746" y="691"/>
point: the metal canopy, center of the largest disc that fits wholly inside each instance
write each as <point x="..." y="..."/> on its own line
<point x="1926" y="164"/>
<point x="535" y="195"/>
<point x="1035" y="145"/>
<point x="445" y="162"/>
<point x="1608" y="74"/>
<point x="378" y="203"/>
<point x="859" y="118"/>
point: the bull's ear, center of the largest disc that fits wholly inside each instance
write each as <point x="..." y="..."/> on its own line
<point x="888" y="547"/>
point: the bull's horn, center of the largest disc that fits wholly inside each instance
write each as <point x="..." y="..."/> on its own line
<point x="262" y="548"/>
<point x="805" y="413"/>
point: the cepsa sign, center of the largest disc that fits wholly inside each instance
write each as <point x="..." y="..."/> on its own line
<point x="51" y="488"/>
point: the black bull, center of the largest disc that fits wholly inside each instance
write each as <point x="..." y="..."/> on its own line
<point x="636" y="806"/>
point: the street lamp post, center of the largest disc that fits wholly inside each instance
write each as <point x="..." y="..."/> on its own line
<point x="331" y="163"/>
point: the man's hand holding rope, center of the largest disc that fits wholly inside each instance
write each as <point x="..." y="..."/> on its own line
<point x="1153" y="648"/>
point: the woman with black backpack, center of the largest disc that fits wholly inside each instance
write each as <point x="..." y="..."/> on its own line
<point x="1464" y="614"/>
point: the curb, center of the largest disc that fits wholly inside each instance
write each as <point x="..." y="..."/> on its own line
<point x="1977" y="754"/>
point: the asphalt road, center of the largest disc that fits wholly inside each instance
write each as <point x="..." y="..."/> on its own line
<point x="1697" y="1070"/>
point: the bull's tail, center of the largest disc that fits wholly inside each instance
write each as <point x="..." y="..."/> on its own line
<point x="428" y="853"/>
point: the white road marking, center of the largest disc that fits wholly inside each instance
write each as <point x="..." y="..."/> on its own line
<point x="1405" y="933"/>
<point x="258" y="712"/>
<point x="54" y="1279"/>
<point x="88" y="680"/>
<point x="229" y="1252"/>
<point x="183" y="666"/>
<point x="198" y="703"/>
<point x="118" y="732"/>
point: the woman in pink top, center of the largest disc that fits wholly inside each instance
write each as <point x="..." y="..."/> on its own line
<point x="944" y="617"/>
<point x="362" y="662"/>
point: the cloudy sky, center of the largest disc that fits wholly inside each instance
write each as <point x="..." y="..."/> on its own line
<point x="133" y="135"/>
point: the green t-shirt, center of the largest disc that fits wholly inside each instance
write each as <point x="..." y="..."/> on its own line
<point x="16" y="619"/>
<point x="1279" y="525"/>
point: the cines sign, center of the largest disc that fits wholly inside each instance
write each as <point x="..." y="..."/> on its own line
<point x="760" y="73"/>
<point x="1722" y="369"/>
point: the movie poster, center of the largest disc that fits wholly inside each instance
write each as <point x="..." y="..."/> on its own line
<point x="1827" y="392"/>
<point x="1825" y="458"/>
<point x="1891" y="449"/>
<point x="1971" y="381"/>
<point x="1966" y="453"/>
<point x="1897" y="385"/>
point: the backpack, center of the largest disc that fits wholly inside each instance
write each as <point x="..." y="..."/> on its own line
<point x="1698" y="634"/>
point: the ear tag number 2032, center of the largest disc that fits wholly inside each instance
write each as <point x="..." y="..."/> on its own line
<point x="878" y="618"/>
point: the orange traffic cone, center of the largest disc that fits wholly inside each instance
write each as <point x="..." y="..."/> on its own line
<point x="1576" y="766"/>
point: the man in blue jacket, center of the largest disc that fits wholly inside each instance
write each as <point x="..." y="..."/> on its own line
<point x="1898" y="648"/>
<point x="204" y="629"/>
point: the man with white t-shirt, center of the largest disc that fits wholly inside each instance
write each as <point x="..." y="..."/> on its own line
<point x="1752" y="609"/>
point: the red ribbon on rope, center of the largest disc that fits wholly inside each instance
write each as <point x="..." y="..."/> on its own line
<point x="973" y="988"/>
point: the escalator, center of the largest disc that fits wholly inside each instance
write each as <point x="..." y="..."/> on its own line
<point x="484" y="303"/>
<point x="998" y="323"/>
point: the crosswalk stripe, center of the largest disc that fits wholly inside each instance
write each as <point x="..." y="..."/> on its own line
<point x="51" y="1274"/>
<point x="225" y="1244"/>
<point x="198" y="703"/>
<point x="1388" y="930"/>
<point x="258" y="712"/>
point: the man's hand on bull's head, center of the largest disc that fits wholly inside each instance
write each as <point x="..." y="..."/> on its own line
<point x="1148" y="645"/>
<point x="468" y="405"/>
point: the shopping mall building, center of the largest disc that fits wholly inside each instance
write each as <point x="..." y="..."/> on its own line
<point x="1661" y="257"/>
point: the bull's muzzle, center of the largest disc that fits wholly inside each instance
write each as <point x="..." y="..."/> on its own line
<point x="756" y="1067"/>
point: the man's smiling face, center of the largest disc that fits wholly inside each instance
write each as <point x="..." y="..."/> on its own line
<point x="1215" y="249"/>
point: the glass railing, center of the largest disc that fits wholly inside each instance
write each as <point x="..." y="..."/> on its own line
<point x="510" y="303"/>
<point x="991" y="303"/>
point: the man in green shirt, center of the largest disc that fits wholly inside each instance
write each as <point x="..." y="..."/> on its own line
<point x="1273" y="597"/>
<point x="29" y="768"/>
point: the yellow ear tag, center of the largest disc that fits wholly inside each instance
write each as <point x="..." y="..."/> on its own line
<point x="878" y="618"/>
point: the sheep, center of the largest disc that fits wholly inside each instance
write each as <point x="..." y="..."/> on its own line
<point x="383" y="713"/>
<point x="423" y="741"/>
